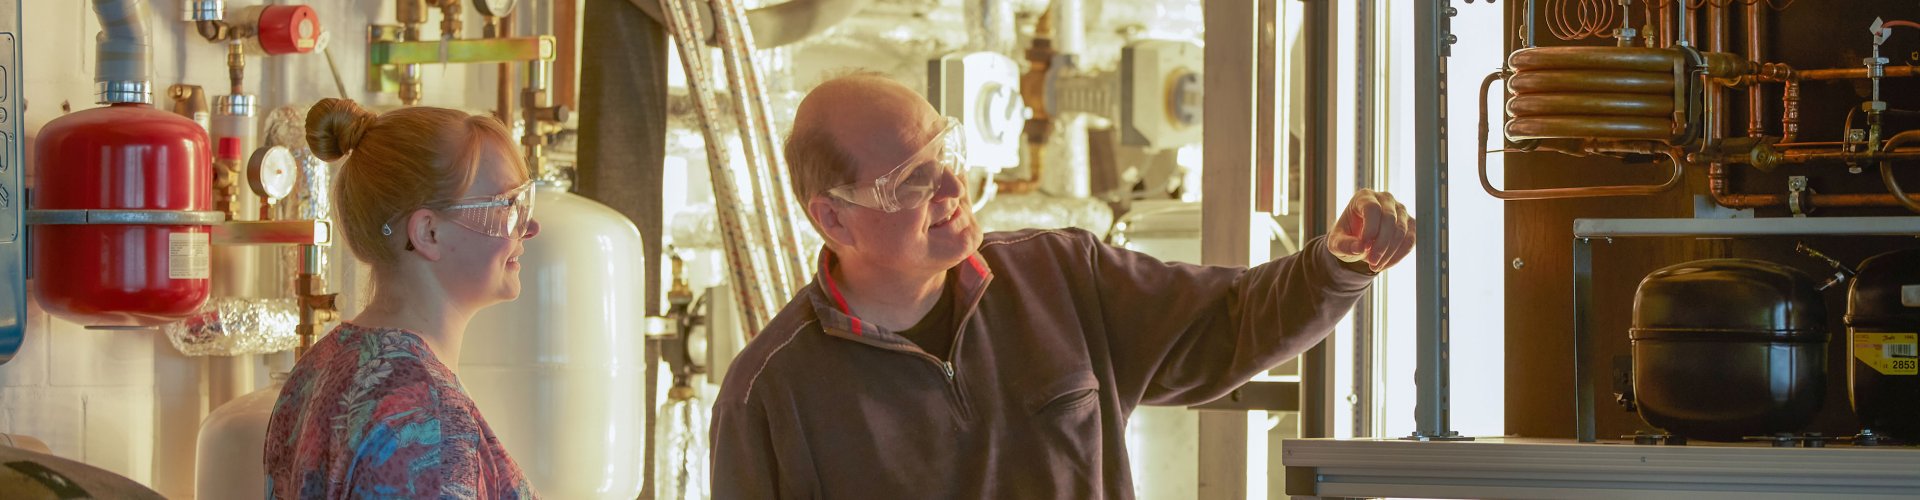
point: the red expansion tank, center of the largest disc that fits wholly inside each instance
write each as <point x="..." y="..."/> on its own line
<point x="126" y="156"/>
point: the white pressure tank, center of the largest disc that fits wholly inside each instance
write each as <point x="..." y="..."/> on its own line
<point x="232" y="443"/>
<point x="558" y="373"/>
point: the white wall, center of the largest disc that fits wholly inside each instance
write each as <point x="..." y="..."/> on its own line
<point x="127" y="401"/>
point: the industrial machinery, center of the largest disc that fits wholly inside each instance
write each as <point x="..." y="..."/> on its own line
<point x="1729" y="348"/>
<point x="1883" y="326"/>
<point x="1654" y="82"/>
<point x="1663" y="93"/>
<point x="1065" y="104"/>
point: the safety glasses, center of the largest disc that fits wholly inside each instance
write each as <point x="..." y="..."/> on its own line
<point x="504" y="215"/>
<point x="912" y="183"/>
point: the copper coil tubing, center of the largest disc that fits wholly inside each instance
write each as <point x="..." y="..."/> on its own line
<point x="1624" y="93"/>
<point x="1630" y="82"/>
<point x="1642" y="59"/>
<point x="1590" y="127"/>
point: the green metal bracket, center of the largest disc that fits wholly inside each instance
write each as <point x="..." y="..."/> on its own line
<point x="387" y="54"/>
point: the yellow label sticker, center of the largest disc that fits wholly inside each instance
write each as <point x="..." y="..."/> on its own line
<point x="1888" y="353"/>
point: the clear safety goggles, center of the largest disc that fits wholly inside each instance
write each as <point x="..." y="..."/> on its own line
<point x="504" y="215"/>
<point x="912" y="183"/>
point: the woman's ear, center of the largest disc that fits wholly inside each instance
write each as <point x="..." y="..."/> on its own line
<point x="422" y="236"/>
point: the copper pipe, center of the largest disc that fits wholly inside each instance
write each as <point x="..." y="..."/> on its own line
<point x="1719" y="64"/>
<point x="1718" y="186"/>
<point x="1853" y="73"/>
<point x="565" y="16"/>
<point x="1717" y="121"/>
<point x="503" y="99"/>
<point x="1858" y="200"/>
<point x="1718" y="23"/>
<point x="1790" y="111"/>
<point x="1649" y="105"/>
<point x="1033" y="88"/>
<point x="1608" y="127"/>
<point x="1756" y="51"/>
<point x="1806" y="156"/>
<point x="1743" y="201"/>
<point x="1036" y="159"/>
<point x="316" y="308"/>
<point x="1886" y="170"/>
<point x="1772" y="72"/>
<point x="1553" y="193"/>
<point x="1666" y="23"/>
<point x="1722" y="195"/>
<point x="1586" y="147"/>
<point x="1717" y="40"/>
<point x="236" y="66"/>
<point x="1590" y="81"/>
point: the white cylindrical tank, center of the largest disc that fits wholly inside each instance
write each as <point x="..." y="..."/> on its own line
<point x="228" y="460"/>
<point x="558" y="373"/>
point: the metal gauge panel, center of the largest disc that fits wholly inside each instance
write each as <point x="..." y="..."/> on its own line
<point x="13" y="248"/>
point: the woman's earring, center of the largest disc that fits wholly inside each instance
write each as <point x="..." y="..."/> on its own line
<point x="386" y="230"/>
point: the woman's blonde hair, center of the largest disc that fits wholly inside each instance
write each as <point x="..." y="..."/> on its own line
<point x="399" y="161"/>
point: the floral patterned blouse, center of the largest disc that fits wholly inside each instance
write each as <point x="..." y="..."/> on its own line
<point x="370" y="413"/>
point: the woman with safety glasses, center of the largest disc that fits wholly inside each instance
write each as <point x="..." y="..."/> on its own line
<point x="438" y="202"/>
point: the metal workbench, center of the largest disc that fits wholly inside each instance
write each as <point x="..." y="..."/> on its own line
<point x="1545" y="468"/>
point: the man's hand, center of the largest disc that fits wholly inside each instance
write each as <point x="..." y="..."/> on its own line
<point x="1373" y="228"/>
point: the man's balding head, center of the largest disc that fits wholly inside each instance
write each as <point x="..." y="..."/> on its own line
<point x="853" y="120"/>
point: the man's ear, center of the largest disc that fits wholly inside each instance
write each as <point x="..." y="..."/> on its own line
<point x="422" y="234"/>
<point x="826" y="212"/>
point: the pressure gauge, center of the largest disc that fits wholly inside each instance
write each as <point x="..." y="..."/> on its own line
<point x="494" y="8"/>
<point x="271" y="172"/>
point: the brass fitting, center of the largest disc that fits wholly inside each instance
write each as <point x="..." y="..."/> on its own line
<point x="316" y="308"/>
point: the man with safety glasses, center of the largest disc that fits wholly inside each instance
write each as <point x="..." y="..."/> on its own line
<point x="929" y="361"/>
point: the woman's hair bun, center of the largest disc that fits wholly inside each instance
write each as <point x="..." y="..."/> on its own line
<point x="336" y="126"/>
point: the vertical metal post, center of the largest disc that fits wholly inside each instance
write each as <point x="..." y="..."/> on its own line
<point x="1529" y="24"/>
<point x="1431" y="40"/>
<point x="1365" y="329"/>
<point x="1684" y="33"/>
<point x="1227" y="209"/>
<point x="1320" y="30"/>
<point x="1582" y="339"/>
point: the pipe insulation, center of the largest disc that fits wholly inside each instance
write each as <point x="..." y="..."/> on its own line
<point x="775" y="25"/>
<point x="312" y="197"/>
<point x="754" y="118"/>
<point x="125" y="50"/>
<point x="746" y="266"/>
<point x="990" y="26"/>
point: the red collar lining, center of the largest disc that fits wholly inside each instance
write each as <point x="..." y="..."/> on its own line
<point x="833" y="289"/>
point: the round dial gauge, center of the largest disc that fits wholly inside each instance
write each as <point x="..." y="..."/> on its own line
<point x="272" y="173"/>
<point x="495" y="8"/>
